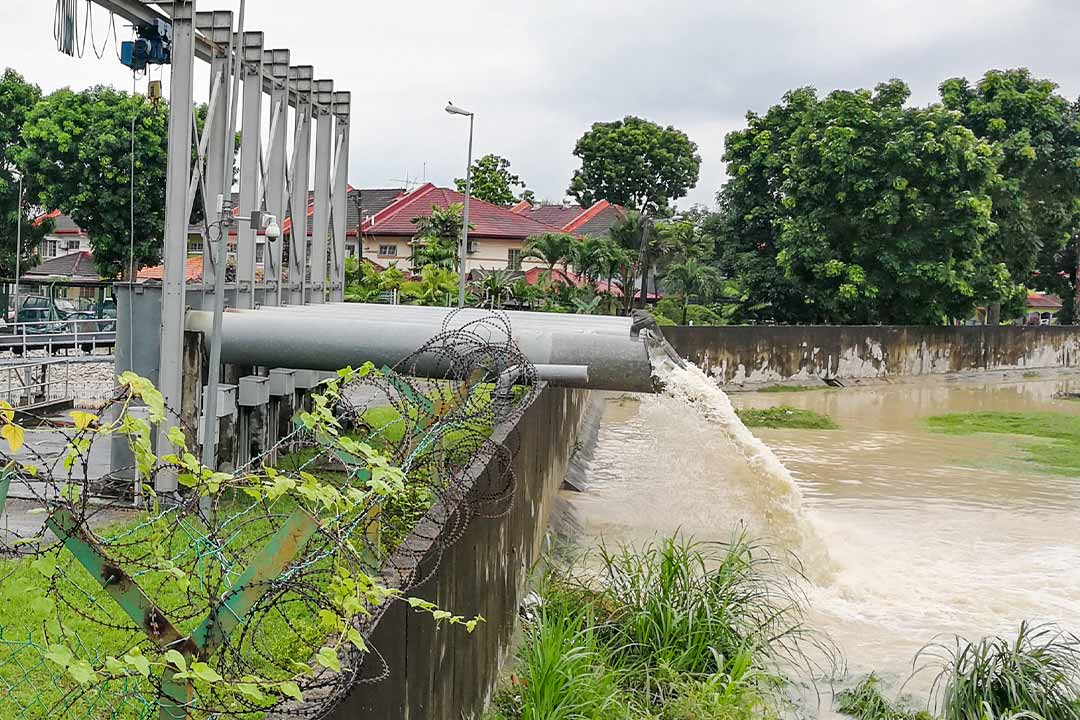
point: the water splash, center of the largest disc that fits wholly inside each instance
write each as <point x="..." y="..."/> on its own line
<point x="773" y="494"/>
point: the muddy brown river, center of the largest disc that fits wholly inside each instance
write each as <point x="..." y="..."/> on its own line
<point x="906" y="534"/>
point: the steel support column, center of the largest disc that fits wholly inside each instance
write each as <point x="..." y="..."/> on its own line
<point x="251" y="48"/>
<point x="339" y="204"/>
<point x="300" y="81"/>
<point x="277" y="66"/>
<point x="217" y="27"/>
<point x="178" y="175"/>
<point x="320" y="216"/>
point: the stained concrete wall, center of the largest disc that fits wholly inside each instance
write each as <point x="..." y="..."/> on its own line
<point x="434" y="672"/>
<point x="762" y="354"/>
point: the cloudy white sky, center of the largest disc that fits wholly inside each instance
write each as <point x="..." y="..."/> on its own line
<point x="538" y="73"/>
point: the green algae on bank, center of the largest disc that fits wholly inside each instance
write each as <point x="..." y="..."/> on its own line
<point x="785" y="416"/>
<point x="1056" y="446"/>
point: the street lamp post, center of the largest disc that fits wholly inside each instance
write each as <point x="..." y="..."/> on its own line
<point x="18" y="241"/>
<point x="455" y="110"/>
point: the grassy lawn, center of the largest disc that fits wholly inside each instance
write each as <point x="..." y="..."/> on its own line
<point x="1056" y="448"/>
<point x="287" y="633"/>
<point x="785" y="416"/>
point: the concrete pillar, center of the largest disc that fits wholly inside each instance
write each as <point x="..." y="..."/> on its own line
<point x="225" y="459"/>
<point x="254" y="400"/>
<point x="282" y="407"/>
<point x="191" y="399"/>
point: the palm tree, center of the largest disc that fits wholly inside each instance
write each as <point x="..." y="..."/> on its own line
<point x="497" y="285"/>
<point x="691" y="277"/>
<point x="436" y="284"/>
<point x="549" y="248"/>
<point x="585" y="257"/>
<point x="611" y="259"/>
<point x="437" y="238"/>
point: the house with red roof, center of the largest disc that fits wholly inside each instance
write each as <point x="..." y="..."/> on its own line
<point x="66" y="236"/>
<point x="593" y="221"/>
<point x="496" y="238"/>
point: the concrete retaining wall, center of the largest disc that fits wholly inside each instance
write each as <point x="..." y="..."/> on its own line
<point x="442" y="673"/>
<point x="761" y="354"/>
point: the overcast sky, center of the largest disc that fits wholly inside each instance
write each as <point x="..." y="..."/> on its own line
<point x="538" y="73"/>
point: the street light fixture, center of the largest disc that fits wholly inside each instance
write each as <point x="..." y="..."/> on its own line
<point x="455" y="110"/>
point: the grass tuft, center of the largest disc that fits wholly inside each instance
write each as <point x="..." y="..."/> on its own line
<point x="865" y="701"/>
<point x="785" y="416"/>
<point x="1034" y="675"/>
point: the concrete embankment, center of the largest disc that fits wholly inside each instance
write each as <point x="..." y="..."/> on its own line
<point x="750" y="355"/>
<point x="473" y="555"/>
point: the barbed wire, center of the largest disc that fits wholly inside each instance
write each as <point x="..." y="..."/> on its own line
<point x="184" y="559"/>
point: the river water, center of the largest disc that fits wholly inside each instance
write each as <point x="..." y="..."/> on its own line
<point x="905" y="534"/>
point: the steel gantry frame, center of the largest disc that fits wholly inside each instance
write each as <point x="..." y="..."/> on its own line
<point x="269" y="178"/>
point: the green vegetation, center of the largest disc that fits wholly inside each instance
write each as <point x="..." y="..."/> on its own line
<point x="1056" y="451"/>
<point x="785" y="416"/>
<point x="1035" y="676"/>
<point x="674" y="630"/>
<point x="493" y="182"/>
<point x="866" y="702"/>
<point x="792" y="388"/>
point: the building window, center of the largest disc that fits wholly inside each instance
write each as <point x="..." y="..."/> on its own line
<point x="388" y="251"/>
<point x="195" y="244"/>
<point x="50" y="248"/>
<point x="513" y="259"/>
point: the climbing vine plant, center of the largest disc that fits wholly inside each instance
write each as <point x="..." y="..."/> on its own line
<point x="248" y="590"/>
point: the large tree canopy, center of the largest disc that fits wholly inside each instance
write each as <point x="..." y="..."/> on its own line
<point x="493" y="182"/>
<point x="77" y="149"/>
<point x="870" y="211"/>
<point x="17" y="98"/>
<point x="634" y="163"/>
<point x="1037" y="135"/>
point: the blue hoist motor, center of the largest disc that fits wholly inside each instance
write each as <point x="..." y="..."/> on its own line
<point x="153" y="46"/>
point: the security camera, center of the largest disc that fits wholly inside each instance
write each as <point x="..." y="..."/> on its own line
<point x="273" y="230"/>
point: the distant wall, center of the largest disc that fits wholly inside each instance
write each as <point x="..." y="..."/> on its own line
<point x="442" y="673"/>
<point x="763" y="354"/>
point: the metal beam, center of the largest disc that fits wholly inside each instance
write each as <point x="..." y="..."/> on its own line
<point x="178" y="174"/>
<point x="300" y="83"/>
<point x="339" y="205"/>
<point x="320" y="216"/>
<point x="277" y="65"/>
<point x="251" y="48"/>
<point x="217" y="25"/>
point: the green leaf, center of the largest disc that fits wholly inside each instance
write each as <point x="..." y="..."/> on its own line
<point x="356" y="639"/>
<point x="440" y="615"/>
<point x="328" y="658"/>
<point x="177" y="437"/>
<point x="177" y="660"/>
<point x="138" y="661"/>
<point x="82" y="419"/>
<point x="59" y="654"/>
<point x="14" y="436"/>
<point x="292" y="690"/>
<point x="205" y="673"/>
<point x="115" y="667"/>
<point x="81" y="672"/>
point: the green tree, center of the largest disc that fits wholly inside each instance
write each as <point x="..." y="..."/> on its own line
<point x="868" y="210"/>
<point x="495" y="287"/>
<point x="493" y="182"/>
<point x="551" y="248"/>
<point x="1036" y="207"/>
<point x="438" y="238"/>
<point x="637" y="164"/>
<point x="77" y="150"/>
<point x="17" y="98"/>
<point x="585" y="256"/>
<point x="691" y="278"/>
<point x="435" y="287"/>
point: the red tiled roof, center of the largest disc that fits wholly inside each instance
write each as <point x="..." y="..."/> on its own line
<point x="487" y="220"/>
<point x="192" y="270"/>
<point x="533" y="275"/>
<point x="558" y="215"/>
<point x="594" y="220"/>
<point x="1042" y="300"/>
<point x="63" y="225"/>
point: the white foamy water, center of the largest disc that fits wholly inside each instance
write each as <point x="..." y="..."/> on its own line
<point x="927" y="535"/>
<point x="774" y="496"/>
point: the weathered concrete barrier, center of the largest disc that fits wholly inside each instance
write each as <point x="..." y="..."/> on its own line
<point x="763" y="354"/>
<point x="440" y="672"/>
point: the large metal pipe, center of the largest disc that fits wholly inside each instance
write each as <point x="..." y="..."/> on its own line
<point x="615" y="351"/>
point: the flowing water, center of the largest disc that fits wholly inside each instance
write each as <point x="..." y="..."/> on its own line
<point x="905" y="534"/>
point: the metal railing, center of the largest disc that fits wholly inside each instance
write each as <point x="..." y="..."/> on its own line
<point x="34" y="384"/>
<point x="79" y="334"/>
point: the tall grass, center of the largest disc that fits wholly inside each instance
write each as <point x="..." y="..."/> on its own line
<point x="673" y="630"/>
<point x="1036" y="675"/>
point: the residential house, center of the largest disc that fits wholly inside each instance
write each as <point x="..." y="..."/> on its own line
<point x="1041" y="309"/>
<point x="593" y="221"/>
<point x="66" y="236"/>
<point x="496" y="238"/>
<point x="360" y="204"/>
